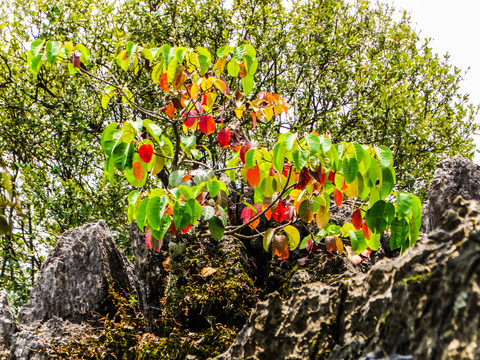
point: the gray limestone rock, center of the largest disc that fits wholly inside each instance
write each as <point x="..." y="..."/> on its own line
<point x="422" y="305"/>
<point x="7" y="324"/>
<point x="454" y="176"/>
<point x="74" y="280"/>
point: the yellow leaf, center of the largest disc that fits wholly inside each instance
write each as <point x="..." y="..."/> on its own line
<point x="293" y="236"/>
<point x="207" y="271"/>
<point x="268" y="113"/>
<point x="339" y="244"/>
<point x="323" y="216"/>
<point x="352" y="190"/>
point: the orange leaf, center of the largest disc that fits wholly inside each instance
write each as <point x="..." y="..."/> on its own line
<point x="254" y="224"/>
<point x="366" y="231"/>
<point x="207" y="124"/>
<point x="138" y="170"/>
<point x="171" y="110"/>
<point x="338" y="196"/>
<point x="357" y="219"/>
<point x="187" y="228"/>
<point x="207" y="271"/>
<point x="254" y="118"/>
<point x="280" y="246"/>
<point x="164" y="82"/>
<point x="268" y="214"/>
<point x="253" y="176"/>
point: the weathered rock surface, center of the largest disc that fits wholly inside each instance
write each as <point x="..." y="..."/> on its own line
<point x="425" y="304"/>
<point x="7" y="325"/>
<point x="454" y="176"/>
<point x="74" y="280"/>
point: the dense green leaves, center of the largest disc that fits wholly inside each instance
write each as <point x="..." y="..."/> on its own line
<point x="380" y="216"/>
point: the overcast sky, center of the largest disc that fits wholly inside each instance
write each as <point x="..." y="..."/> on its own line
<point x="454" y="27"/>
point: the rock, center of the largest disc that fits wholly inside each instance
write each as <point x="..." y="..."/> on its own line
<point x="74" y="280"/>
<point x="33" y="343"/>
<point x="422" y="305"/>
<point x="7" y="324"/>
<point x="454" y="176"/>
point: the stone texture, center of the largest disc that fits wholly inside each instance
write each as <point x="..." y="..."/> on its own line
<point x="74" y="280"/>
<point x="423" y="305"/>
<point x="7" y="324"/>
<point x="454" y="176"/>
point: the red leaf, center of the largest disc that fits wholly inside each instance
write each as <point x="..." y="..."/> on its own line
<point x="164" y="82"/>
<point x="303" y="179"/>
<point x="207" y="124"/>
<point x="223" y="137"/>
<point x="311" y="246"/>
<point x="321" y="176"/>
<point x="190" y="118"/>
<point x="330" y="243"/>
<point x="357" y="219"/>
<point x="366" y="231"/>
<point x="246" y="214"/>
<point x="146" y="152"/>
<point x="338" y="196"/>
<point x="204" y="99"/>
<point x="76" y="59"/>
<point x="286" y="169"/>
<point x="137" y="169"/>
<point x="187" y="228"/>
<point x="331" y="177"/>
<point x="253" y="176"/>
<point x="344" y="186"/>
<point x="288" y="214"/>
<point x="148" y="239"/>
<point x="280" y="246"/>
<point x="279" y="213"/>
<point x="243" y="151"/>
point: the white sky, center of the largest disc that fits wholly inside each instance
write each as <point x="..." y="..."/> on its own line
<point x="454" y="27"/>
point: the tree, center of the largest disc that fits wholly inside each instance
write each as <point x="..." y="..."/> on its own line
<point x="58" y="119"/>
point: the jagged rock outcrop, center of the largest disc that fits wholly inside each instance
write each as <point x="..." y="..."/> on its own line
<point x="74" y="280"/>
<point x="7" y="325"/>
<point x="454" y="176"/>
<point x="424" y="304"/>
<point x="72" y="286"/>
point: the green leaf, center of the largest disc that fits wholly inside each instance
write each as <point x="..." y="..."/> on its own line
<point x="399" y="235"/>
<point x="238" y="52"/>
<point x="384" y="155"/>
<point x="267" y="238"/>
<point x="122" y="155"/>
<point x="129" y="172"/>
<point x="404" y="204"/>
<point x="313" y="142"/>
<point x="357" y="238"/>
<point x="165" y="223"/>
<point x="380" y="216"/>
<point x="153" y="129"/>
<point x="204" y="63"/>
<point x="224" y="51"/>
<point x="85" y="53"/>
<point x="250" y="158"/>
<point x="388" y="182"/>
<point x="207" y="212"/>
<point x="172" y="70"/>
<point x="326" y="144"/>
<point x="182" y="215"/>
<point x="216" y="227"/>
<point x="186" y="192"/>
<point x="248" y="84"/>
<point x="233" y="68"/>
<point x="293" y="236"/>
<point x="142" y="214"/>
<point x="374" y="241"/>
<point x="358" y="152"/>
<point x="290" y="140"/>
<point x="36" y="46"/>
<point x="305" y="210"/>
<point x="279" y="152"/>
<point x="300" y="158"/>
<point x="176" y="178"/>
<point x="110" y="133"/>
<point x="52" y="49"/>
<point x="213" y="187"/>
<point x="155" y="211"/>
<point x="132" y="200"/>
<point x="350" y="169"/>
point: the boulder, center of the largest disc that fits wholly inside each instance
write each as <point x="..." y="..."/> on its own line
<point x="454" y="176"/>
<point x="422" y="305"/>
<point x="73" y="282"/>
<point x="7" y="324"/>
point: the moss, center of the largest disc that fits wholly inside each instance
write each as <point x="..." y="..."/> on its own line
<point x="417" y="277"/>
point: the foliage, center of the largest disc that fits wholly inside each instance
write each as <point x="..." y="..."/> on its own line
<point x="293" y="182"/>
<point x="347" y="69"/>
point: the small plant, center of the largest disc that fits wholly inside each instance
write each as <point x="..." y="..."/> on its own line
<point x="198" y="133"/>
